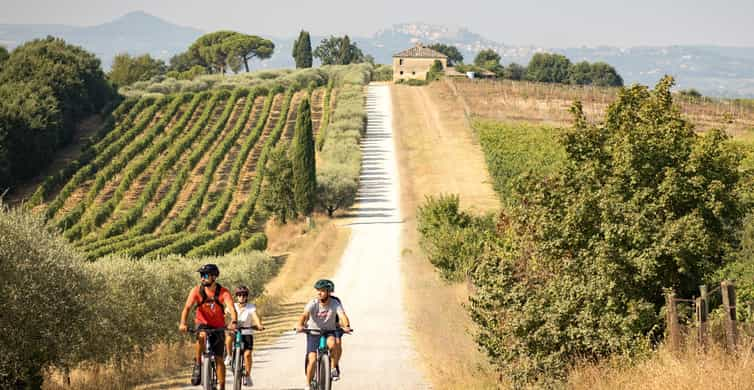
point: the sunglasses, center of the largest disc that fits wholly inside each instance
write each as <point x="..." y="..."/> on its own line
<point x="242" y="295"/>
<point x="205" y="276"/>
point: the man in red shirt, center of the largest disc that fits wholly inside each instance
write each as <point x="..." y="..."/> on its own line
<point x="210" y="299"/>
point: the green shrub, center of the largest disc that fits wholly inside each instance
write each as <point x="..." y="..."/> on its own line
<point x="220" y="245"/>
<point x="257" y="242"/>
<point x="382" y="73"/>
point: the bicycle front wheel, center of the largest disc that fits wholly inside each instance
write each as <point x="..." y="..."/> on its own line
<point x="238" y="371"/>
<point x="324" y="382"/>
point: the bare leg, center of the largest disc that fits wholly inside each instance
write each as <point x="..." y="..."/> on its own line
<point x="220" y="372"/>
<point x="310" y="367"/>
<point x="199" y="348"/>
<point x="247" y="361"/>
<point x="334" y="351"/>
<point x="228" y="341"/>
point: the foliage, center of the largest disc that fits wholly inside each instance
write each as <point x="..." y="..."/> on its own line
<point x="514" y="71"/>
<point x="127" y="70"/>
<point x="338" y="51"/>
<point x="46" y="88"/>
<point x="641" y="204"/>
<point x="223" y="50"/>
<point x="336" y="187"/>
<point x="302" y="161"/>
<point x="220" y="245"/>
<point x="39" y="269"/>
<point x="4" y="55"/>
<point x="412" y="82"/>
<point x="256" y="242"/>
<point x="488" y="59"/>
<point x="435" y="71"/>
<point x="604" y="75"/>
<point x="382" y="73"/>
<point x="548" y="68"/>
<point x="450" y="238"/>
<point x="692" y="93"/>
<point x="516" y="149"/>
<point x="454" y="56"/>
<point x="302" y="50"/>
<point x="277" y="191"/>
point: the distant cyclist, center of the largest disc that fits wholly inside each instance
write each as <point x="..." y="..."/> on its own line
<point x="210" y="299"/>
<point x="320" y="313"/>
<point x="247" y="317"/>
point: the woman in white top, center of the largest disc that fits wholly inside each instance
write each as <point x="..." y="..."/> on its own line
<point x="247" y="317"/>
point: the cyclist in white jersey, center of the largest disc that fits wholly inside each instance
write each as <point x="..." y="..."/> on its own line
<point x="247" y="317"/>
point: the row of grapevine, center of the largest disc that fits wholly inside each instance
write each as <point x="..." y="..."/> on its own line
<point x="241" y="219"/>
<point x="90" y="150"/>
<point x="221" y="147"/>
<point x="217" y="213"/>
<point x="135" y="167"/>
<point x="112" y="148"/>
<point x="115" y="165"/>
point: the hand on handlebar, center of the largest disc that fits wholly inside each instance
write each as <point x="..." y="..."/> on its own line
<point x="300" y="329"/>
<point x="347" y="329"/>
<point x="183" y="328"/>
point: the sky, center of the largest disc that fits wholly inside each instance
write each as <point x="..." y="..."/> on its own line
<point x="544" y="23"/>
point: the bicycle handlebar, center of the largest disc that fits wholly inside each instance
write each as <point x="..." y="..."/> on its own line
<point x="206" y="330"/>
<point x="319" y="331"/>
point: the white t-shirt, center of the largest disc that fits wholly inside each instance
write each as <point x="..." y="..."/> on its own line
<point x="244" y="316"/>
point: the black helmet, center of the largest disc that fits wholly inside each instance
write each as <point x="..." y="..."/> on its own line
<point x="209" y="269"/>
<point x="242" y="290"/>
<point x="325" y="284"/>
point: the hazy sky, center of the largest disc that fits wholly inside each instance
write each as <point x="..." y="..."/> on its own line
<point x="549" y="23"/>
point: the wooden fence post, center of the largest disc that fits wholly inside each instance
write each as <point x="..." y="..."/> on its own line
<point x="674" y="333"/>
<point x="702" y="310"/>
<point x="729" y="305"/>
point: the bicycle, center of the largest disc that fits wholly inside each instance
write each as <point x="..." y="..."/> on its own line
<point x="322" y="370"/>
<point x="209" y="370"/>
<point x="237" y="364"/>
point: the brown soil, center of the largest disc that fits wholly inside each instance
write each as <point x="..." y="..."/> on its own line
<point x="436" y="154"/>
<point x="318" y="100"/>
<point x="197" y="174"/>
<point x="248" y="172"/>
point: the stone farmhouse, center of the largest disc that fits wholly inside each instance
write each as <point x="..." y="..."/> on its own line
<point x="414" y="63"/>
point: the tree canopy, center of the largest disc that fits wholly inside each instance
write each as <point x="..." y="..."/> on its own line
<point x="302" y="50"/>
<point x="127" y="70"/>
<point x="338" y="51"/>
<point x="488" y="59"/>
<point x="642" y="203"/>
<point x="454" y="56"/>
<point x="224" y="50"/>
<point x="548" y="68"/>
<point x="46" y="87"/>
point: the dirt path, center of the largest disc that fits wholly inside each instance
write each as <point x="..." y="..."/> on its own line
<point x="380" y="354"/>
<point x="437" y="154"/>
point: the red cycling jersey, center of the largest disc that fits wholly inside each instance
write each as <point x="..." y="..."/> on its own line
<point x="210" y="313"/>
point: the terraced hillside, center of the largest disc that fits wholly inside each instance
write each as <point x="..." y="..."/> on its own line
<point x="179" y="173"/>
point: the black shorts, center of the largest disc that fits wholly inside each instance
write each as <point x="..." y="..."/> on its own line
<point x="312" y="340"/>
<point x="248" y="342"/>
<point x="216" y="341"/>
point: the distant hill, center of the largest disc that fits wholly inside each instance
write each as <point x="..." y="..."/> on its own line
<point x="713" y="70"/>
<point x="135" y="33"/>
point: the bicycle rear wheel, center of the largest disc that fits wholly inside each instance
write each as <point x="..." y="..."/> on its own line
<point x="324" y="382"/>
<point x="207" y="373"/>
<point x="238" y="369"/>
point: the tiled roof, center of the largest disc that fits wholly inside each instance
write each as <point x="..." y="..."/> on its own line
<point x="419" y="51"/>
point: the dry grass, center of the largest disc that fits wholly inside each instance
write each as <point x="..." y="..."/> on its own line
<point x="436" y="153"/>
<point x="549" y="103"/>
<point x="689" y="369"/>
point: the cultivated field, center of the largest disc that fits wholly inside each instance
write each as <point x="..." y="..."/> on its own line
<point x="178" y="174"/>
<point x="519" y="101"/>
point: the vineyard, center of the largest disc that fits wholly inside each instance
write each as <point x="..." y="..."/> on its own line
<point x="178" y="173"/>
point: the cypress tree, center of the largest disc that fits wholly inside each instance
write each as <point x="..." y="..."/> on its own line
<point x="302" y="50"/>
<point x="302" y="160"/>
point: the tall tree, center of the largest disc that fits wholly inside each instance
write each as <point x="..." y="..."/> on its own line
<point x="580" y="73"/>
<point x="248" y="47"/>
<point x="338" y="51"/>
<point x="548" y="68"/>
<point x="514" y="71"/>
<point x="302" y="160"/>
<point x="490" y="60"/>
<point x="3" y="54"/>
<point x="454" y="56"/>
<point x="604" y="75"/>
<point x="302" y="50"/>
<point x="277" y="189"/>
<point x="127" y="70"/>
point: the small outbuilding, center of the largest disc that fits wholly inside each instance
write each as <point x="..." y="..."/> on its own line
<point x="414" y="63"/>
